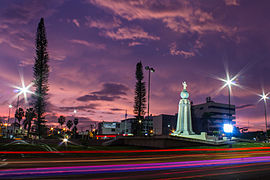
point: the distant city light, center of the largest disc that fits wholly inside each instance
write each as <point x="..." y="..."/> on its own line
<point x="65" y="140"/>
<point x="228" y="128"/>
<point x="10" y="106"/>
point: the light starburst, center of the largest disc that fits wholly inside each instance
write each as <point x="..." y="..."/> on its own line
<point x="229" y="81"/>
<point x="264" y="96"/>
<point x="23" y="89"/>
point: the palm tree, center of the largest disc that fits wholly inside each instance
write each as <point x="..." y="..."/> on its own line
<point x="61" y="120"/>
<point x="19" y="114"/>
<point x="76" y="121"/>
<point x="74" y="129"/>
<point x="69" y="124"/>
<point x="29" y="115"/>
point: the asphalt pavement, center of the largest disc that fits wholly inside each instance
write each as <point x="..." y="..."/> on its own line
<point x="223" y="165"/>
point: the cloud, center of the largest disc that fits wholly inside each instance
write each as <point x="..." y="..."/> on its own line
<point x="83" y="107"/>
<point x="101" y="24"/>
<point x="134" y="44"/>
<point x="116" y="109"/>
<point x="53" y="108"/>
<point x="129" y="33"/>
<point x="76" y="22"/>
<point x="131" y="10"/>
<point x="113" y="30"/>
<point x="232" y="3"/>
<point x="89" y="44"/>
<point x="180" y="16"/>
<point x="109" y="92"/>
<point x="11" y="43"/>
<point x="112" y="89"/>
<point x="94" y="97"/>
<point x="245" y="106"/>
<point x="27" y="11"/>
<point x="175" y="52"/>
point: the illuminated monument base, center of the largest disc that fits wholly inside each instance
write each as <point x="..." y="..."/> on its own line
<point x="184" y="123"/>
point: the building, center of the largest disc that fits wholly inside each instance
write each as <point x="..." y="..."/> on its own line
<point x="109" y="128"/>
<point x="211" y="116"/>
<point x="164" y="124"/>
<point x="127" y="126"/>
<point x="147" y="124"/>
<point x="11" y="131"/>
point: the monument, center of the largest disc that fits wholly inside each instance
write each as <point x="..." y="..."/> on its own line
<point x="184" y="123"/>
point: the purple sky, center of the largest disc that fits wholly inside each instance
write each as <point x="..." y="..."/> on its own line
<point x="94" y="46"/>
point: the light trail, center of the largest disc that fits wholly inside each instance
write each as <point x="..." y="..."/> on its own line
<point x="75" y="170"/>
<point x="141" y="158"/>
<point x="178" y="172"/>
<point x="218" y="174"/>
<point x="133" y="151"/>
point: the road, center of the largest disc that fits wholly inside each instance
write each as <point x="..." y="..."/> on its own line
<point x="221" y="165"/>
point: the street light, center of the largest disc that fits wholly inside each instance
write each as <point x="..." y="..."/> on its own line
<point x="229" y="82"/>
<point x="23" y="90"/>
<point x="149" y="69"/>
<point x="264" y="97"/>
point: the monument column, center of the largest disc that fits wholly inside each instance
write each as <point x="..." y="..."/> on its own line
<point x="184" y="124"/>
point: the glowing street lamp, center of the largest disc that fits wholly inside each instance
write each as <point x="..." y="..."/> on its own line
<point x="264" y="97"/>
<point x="23" y="90"/>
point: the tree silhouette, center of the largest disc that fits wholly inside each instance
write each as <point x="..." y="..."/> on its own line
<point x="29" y="115"/>
<point x="41" y="74"/>
<point x="75" y="121"/>
<point x="139" y="99"/>
<point x="19" y="114"/>
<point x="69" y="124"/>
<point x="61" y="120"/>
<point x="75" y="129"/>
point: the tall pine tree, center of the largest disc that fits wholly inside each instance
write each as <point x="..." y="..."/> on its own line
<point x="139" y="99"/>
<point x="41" y="75"/>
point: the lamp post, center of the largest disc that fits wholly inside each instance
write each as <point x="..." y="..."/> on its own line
<point x="149" y="69"/>
<point x="229" y="83"/>
<point x="126" y="123"/>
<point x="9" y="107"/>
<point x="264" y="97"/>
